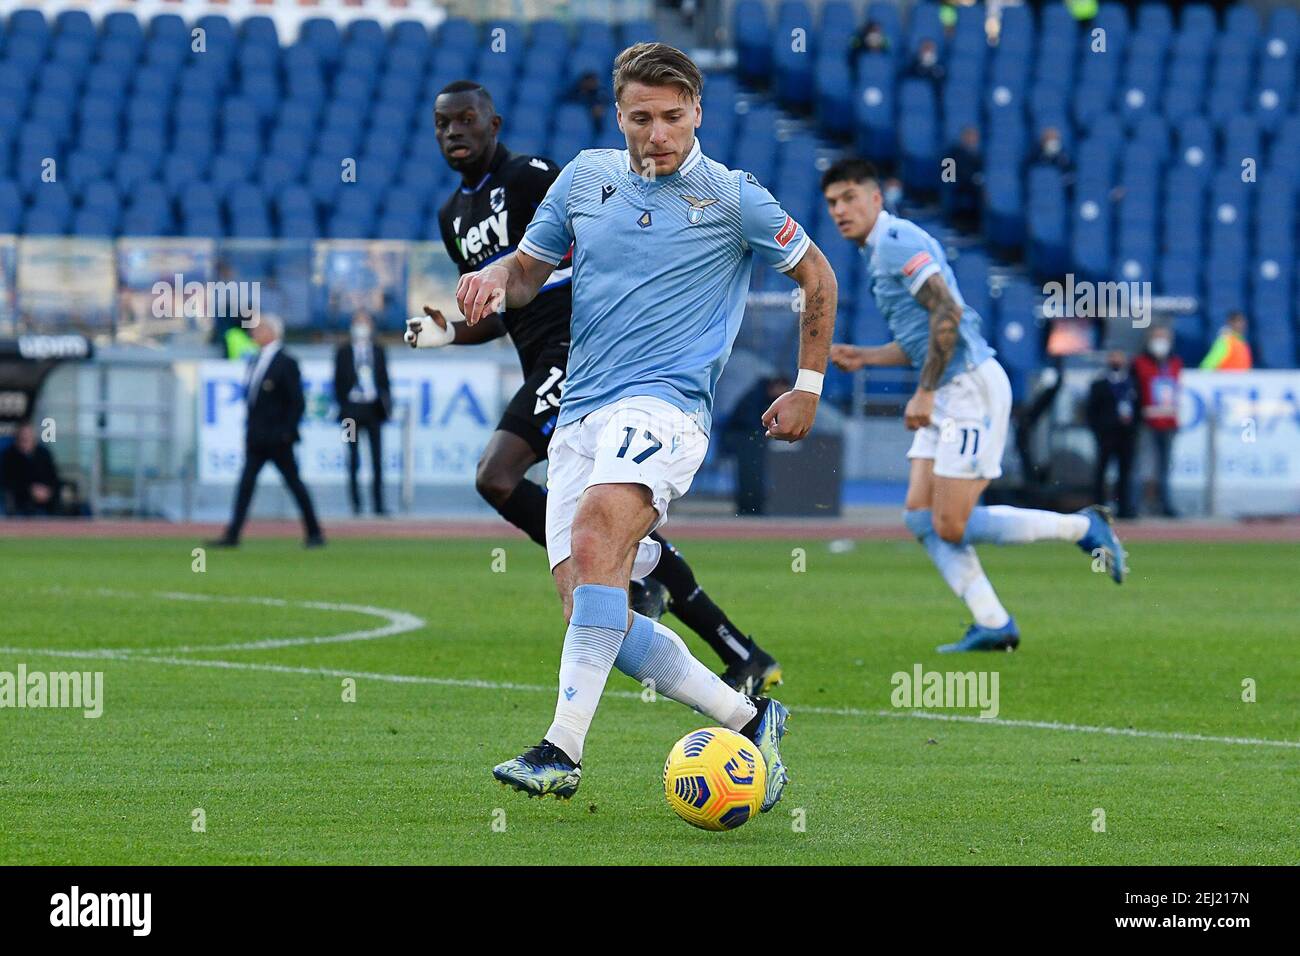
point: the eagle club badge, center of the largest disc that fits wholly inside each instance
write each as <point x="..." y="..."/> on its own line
<point x="698" y="206"/>
<point x="497" y="198"/>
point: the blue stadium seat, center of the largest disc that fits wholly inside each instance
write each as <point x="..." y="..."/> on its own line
<point x="1017" y="336"/>
<point x="754" y="40"/>
<point x="793" y="51"/>
<point x="971" y="269"/>
<point x="248" y="139"/>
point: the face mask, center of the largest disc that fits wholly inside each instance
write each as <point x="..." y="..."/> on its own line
<point x="360" y="331"/>
<point x="893" y="196"/>
<point x="1159" y="348"/>
<point x="1052" y="147"/>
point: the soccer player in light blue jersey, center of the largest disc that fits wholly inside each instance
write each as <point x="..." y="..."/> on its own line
<point x="960" y="412"/>
<point x="663" y="241"/>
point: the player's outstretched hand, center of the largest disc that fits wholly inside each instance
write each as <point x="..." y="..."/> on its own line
<point x="791" y="416"/>
<point x="428" y="331"/>
<point x="848" y="358"/>
<point x="482" y="292"/>
<point x="919" y="410"/>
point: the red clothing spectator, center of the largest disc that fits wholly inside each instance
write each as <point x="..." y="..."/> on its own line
<point x="1156" y="372"/>
<point x="1158" y="390"/>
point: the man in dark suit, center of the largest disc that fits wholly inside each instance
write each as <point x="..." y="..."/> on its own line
<point x="364" y="398"/>
<point x="29" y="479"/>
<point x="1111" y="414"/>
<point x="275" y="406"/>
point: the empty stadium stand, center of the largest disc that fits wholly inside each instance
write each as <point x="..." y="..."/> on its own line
<point x="1182" y="135"/>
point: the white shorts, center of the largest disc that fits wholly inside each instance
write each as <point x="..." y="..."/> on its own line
<point x="968" y="431"/>
<point x="637" y="440"/>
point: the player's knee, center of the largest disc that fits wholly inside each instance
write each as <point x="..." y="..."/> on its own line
<point x="589" y="547"/>
<point x="494" y="483"/>
<point x="950" y="528"/>
<point x="918" y="521"/>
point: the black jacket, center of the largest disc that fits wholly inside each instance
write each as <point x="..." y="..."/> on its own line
<point x="274" y="414"/>
<point x="345" y="379"/>
<point x="1103" y="406"/>
<point x="19" y="472"/>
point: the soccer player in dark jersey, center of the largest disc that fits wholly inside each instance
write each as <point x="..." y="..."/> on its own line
<point x="482" y="221"/>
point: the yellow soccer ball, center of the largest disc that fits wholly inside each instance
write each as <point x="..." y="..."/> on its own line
<point x="714" y="778"/>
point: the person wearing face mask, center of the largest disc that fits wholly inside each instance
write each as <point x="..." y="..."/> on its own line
<point x="1112" y="415"/>
<point x="1156" y="372"/>
<point x="1051" y="150"/>
<point x="892" y="190"/>
<point x="362" y="391"/>
<point x="925" y="65"/>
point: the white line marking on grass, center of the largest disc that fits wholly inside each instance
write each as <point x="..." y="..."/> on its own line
<point x="400" y="622"/>
<point x="474" y="684"/>
<point x="1049" y="725"/>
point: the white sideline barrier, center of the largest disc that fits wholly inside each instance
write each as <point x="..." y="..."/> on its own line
<point x="452" y="408"/>
<point x="1239" y="441"/>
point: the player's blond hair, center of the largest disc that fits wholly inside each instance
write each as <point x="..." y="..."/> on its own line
<point x="657" y="64"/>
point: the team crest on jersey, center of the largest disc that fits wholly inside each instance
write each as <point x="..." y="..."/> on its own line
<point x="497" y="198"/>
<point x="644" y="220"/>
<point x="697" y="208"/>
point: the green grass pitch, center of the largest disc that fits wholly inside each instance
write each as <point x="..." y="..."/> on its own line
<point x="286" y="771"/>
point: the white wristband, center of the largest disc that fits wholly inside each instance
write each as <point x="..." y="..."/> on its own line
<point x="424" y="333"/>
<point x="809" y="381"/>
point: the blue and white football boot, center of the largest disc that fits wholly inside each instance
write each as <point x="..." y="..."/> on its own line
<point x="766" y="730"/>
<point x="1004" y="638"/>
<point x="1102" y="541"/>
<point x="541" y="770"/>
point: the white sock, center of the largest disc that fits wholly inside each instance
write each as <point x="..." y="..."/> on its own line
<point x="653" y="651"/>
<point x="596" y="630"/>
<point x="1003" y="524"/>
<point x="984" y="604"/>
<point x="961" y="569"/>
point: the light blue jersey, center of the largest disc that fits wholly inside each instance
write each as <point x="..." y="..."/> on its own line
<point x="901" y="256"/>
<point x="660" y="274"/>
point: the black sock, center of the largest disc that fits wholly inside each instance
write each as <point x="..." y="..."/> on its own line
<point x="751" y="728"/>
<point x="696" y="609"/>
<point x="526" y="510"/>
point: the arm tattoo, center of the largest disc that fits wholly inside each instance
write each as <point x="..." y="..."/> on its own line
<point x="813" y="307"/>
<point x="818" y="298"/>
<point x="945" y="315"/>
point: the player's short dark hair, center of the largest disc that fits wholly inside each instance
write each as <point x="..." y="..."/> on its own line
<point x="657" y="64"/>
<point x="850" y="170"/>
<point x="469" y="86"/>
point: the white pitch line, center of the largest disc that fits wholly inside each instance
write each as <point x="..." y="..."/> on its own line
<point x="398" y="622"/>
<point x="401" y="622"/>
<point x="475" y="684"/>
<point x="1050" y="725"/>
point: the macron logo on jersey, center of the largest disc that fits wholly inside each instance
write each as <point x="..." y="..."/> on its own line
<point x="786" y="232"/>
<point x="916" y="262"/>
